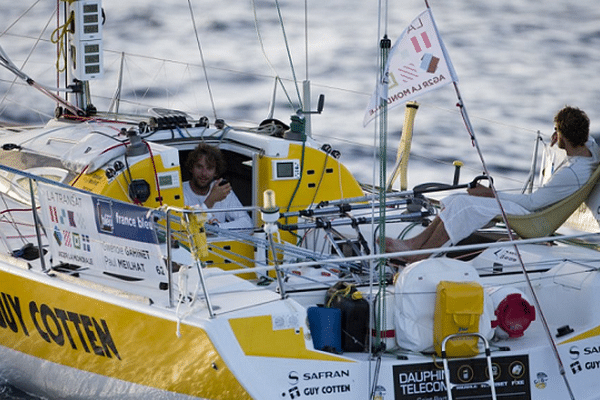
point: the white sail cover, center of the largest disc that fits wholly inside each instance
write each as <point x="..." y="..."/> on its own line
<point x="415" y="296"/>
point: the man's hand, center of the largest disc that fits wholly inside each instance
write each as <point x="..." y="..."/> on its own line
<point x="217" y="193"/>
<point x="480" y="191"/>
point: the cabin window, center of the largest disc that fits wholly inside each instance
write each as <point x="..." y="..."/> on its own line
<point x="239" y="173"/>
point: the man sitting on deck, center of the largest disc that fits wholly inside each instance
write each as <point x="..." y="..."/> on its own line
<point x="463" y="214"/>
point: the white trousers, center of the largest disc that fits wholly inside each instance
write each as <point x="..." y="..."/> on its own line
<point x="463" y="214"/>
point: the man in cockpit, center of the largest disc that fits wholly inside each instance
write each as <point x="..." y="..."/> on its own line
<point x="208" y="190"/>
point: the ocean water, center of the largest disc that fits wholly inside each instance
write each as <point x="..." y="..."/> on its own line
<point x="518" y="62"/>
<point x="10" y="392"/>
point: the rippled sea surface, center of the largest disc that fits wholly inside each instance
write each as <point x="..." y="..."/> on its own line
<point x="518" y="63"/>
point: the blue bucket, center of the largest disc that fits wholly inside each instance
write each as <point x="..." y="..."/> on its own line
<point x="326" y="328"/>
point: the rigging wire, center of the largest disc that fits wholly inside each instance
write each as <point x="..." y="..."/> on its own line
<point x="471" y="133"/>
<point x="19" y="18"/>
<point x="114" y="104"/>
<point x="4" y="61"/>
<point x="212" y="100"/>
<point x="260" y="39"/>
<point x="8" y="64"/>
<point x="264" y="52"/>
<point x="289" y="54"/>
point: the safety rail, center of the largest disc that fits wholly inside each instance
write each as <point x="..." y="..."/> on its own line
<point x="488" y="355"/>
<point x="163" y="220"/>
<point x="62" y="225"/>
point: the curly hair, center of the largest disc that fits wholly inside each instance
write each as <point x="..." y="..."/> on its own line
<point x="214" y="158"/>
<point x="573" y="124"/>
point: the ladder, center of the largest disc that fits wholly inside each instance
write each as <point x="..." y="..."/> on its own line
<point x="488" y="356"/>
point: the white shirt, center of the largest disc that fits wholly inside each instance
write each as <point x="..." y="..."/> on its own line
<point x="572" y="174"/>
<point x="228" y="219"/>
<point x="462" y="214"/>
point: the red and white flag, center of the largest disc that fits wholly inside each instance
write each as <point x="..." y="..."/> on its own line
<point x="417" y="64"/>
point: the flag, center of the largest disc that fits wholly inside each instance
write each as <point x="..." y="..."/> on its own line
<point x="417" y="63"/>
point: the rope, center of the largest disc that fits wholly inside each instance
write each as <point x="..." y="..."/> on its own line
<point x="58" y="37"/>
<point x="345" y="292"/>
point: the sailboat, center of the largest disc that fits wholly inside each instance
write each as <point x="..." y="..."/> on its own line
<point x="111" y="287"/>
